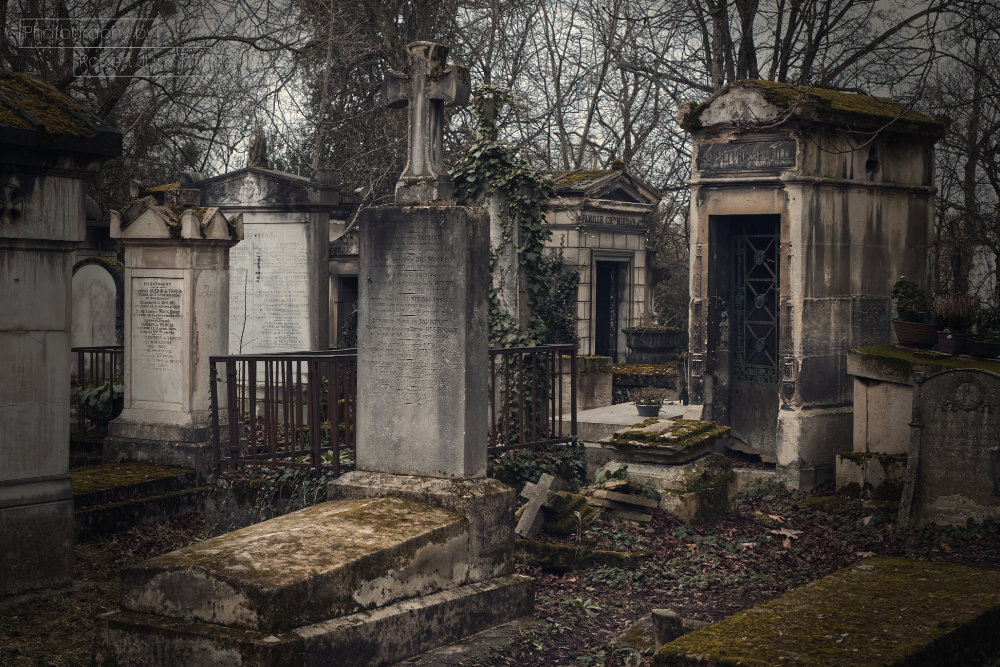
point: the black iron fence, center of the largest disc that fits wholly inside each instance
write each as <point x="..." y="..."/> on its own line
<point x="289" y="410"/>
<point x="531" y="388"/>
<point x="94" y="367"/>
<point x="266" y="408"/>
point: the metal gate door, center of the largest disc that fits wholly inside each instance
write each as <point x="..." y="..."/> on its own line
<point x="753" y="397"/>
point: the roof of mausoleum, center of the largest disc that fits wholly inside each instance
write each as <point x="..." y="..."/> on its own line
<point x="606" y="184"/>
<point x="785" y="103"/>
<point x="35" y="114"/>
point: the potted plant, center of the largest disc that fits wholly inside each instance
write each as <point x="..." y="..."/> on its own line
<point x="912" y="326"/>
<point x="648" y="400"/>
<point x="955" y="314"/>
<point x="987" y="341"/>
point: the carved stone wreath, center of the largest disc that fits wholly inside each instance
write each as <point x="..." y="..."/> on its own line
<point x="11" y="204"/>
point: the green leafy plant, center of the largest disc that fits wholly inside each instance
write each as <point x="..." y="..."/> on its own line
<point x="102" y="402"/>
<point x="603" y="475"/>
<point x="955" y="312"/>
<point x="520" y="466"/>
<point x="910" y="300"/>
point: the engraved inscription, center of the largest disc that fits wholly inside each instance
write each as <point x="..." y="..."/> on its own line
<point x="411" y="324"/>
<point x="746" y="156"/>
<point x="156" y="345"/>
<point x="269" y="290"/>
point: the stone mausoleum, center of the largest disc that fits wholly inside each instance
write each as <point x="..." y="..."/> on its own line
<point x="806" y="206"/>
<point x="598" y="219"/>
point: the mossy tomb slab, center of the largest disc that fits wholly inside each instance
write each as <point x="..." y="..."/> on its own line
<point x="658" y="440"/>
<point x="325" y="561"/>
<point x="878" y="611"/>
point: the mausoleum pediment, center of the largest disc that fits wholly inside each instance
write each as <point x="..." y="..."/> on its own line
<point x="256" y="186"/>
<point x="603" y="185"/>
<point x="754" y="103"/>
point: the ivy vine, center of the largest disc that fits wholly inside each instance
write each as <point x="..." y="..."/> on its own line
<point x="491" y="165"/>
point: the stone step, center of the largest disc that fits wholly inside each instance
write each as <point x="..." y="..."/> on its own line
<point x="325" y="561"/>
<point x="878" y="611"/>
<point x="113" y="482"/>
<point x="378" y="637"/>
<point x="121" y="515"/>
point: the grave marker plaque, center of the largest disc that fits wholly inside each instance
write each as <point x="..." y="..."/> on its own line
<point x="156" y="346"/>
<point x="953" y="469"/>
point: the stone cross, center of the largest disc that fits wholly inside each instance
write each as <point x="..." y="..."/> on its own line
<point x="425" y="91"/>
<point x="531" y="517"/>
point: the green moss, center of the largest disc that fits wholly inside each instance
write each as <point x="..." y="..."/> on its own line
<point x="835" y="107"/>
<point x="686" y="433"/>
<point x="560" y="513"/>
<point x="109" y="475"/>
<point x="876" y="612"/>
<point x="163" y="188"/>
<point x="581" y="177"/>
<point x="566" y="557"/>
<point x="668" y="369"/>
<point x="906" y="361"/>
<point x="46" y="105"/>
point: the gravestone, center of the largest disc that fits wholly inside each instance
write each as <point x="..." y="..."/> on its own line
<point x="953" y="469"/>
<point x="49" y="149"/>
<point x="279" y="283"/>
<point x="95" y="303"/>
<point x="176" y="317"/>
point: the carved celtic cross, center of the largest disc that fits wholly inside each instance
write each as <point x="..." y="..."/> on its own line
<point x="425" y="91"/>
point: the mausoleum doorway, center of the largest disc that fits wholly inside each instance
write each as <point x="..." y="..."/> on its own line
<point x="744" y="284"/>
<point x="610" y="299"/>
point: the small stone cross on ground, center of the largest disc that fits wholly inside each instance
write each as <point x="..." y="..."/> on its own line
<point x="531" y="517"/>
<point x="425" y="91"/>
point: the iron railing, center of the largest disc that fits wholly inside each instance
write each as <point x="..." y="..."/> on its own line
<point x="530" y="389"/>
<point x="295" y="409"/>
<point x="94" y="366"/>
<point x="271" y="405"/>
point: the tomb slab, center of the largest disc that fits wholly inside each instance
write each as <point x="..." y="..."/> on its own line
<point x="329" y="560"/>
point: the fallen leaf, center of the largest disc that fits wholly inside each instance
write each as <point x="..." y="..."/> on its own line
<point x="867" y="520"/>
<point x="787" y="532"/>
<point x="864" y="554"/>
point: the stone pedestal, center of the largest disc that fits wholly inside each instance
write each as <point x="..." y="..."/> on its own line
<point x="42" y="218"/>
<point x="176" y="317"/>
<point x="422" y="341"/>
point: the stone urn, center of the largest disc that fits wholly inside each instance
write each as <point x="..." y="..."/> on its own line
<point x="654" y="345"/>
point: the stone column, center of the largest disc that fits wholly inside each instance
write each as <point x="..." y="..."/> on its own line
<point x="176" y="317"/>
<point x="42" y="219"/>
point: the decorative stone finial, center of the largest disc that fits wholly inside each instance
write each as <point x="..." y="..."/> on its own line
<point x="257" y="155"/>
<point x="425" y="90"/>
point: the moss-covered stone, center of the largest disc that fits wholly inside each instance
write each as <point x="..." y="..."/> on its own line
<point x="43" y="104"/>
<point x="675" y="433"/>
<point x="879" y="611"/>
<point x="89" y="479"/>
<point x="905" y="362"/>
<point x="331" y="559"/>
<point x="564" y="513"/>
<point x="833" y="107"/>
<point x="560" y="558"/>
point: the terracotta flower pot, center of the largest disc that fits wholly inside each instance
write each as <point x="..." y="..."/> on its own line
<point x="915" y="334"/>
